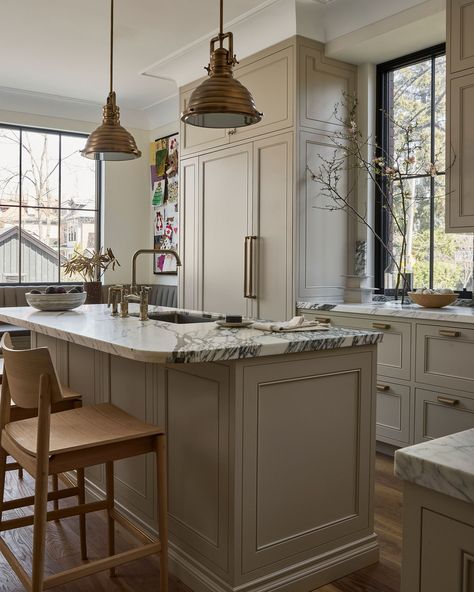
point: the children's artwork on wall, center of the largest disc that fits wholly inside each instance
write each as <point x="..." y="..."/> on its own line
<point x="164" y="169"/>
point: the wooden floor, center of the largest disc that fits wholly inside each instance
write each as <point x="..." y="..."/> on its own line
<point x="141" y="576"/>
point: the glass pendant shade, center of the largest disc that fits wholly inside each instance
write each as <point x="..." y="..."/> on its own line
<point x="111" y="141"/>
<point x="221" y="101"/>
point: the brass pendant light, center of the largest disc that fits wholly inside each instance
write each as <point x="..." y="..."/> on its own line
<point x="221" y="101"/>
<point x="111" y="141"/>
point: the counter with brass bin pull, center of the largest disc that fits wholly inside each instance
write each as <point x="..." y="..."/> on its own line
<point x="425" y="370"/>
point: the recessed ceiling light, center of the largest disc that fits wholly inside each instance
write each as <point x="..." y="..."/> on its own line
<point x="323" y="2"/>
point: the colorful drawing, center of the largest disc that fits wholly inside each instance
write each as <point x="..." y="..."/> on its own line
<point x="164" y="168"/>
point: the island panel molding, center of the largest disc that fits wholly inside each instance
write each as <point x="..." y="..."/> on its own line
<point x="239" y="448"/>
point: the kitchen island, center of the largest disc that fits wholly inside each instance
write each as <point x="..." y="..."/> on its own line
<point x="271" y="439"/>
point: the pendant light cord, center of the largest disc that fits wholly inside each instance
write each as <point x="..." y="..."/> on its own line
<point x="221" y="24"/>
<point x="111" y="44"/>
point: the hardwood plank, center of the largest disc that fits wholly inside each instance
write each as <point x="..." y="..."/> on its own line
<point x="63" y="547"/>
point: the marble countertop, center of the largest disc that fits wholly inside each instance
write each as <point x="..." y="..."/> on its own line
<point x="157" y="341"/>
<point x="445" y="465"/>
<point x="453" y="314"/>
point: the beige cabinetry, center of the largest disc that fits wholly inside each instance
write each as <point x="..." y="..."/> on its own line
<point x="288" y="436"/>
<point x="460" y="120"/>
<point x="222" y="204"/>
<point x="238" y="217"/>
<point x="425" y="375"/>
<point x="438" y="542"/>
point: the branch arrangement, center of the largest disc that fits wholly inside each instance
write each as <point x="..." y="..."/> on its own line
<point x="392" y="174"/>
<point x="90" y="265"/>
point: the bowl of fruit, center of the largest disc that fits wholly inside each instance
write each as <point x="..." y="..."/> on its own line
<point x="55" y="298"/>
<point x="433" y="298"/>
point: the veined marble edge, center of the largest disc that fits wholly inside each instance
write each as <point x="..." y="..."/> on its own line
<point x="459" y="314"/>
<point x="182" y="344"/>
<point x="445" y="465"/>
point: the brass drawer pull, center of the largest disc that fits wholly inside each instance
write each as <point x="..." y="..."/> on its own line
<point x="383" y="326"/>
<point x="449" y="333"/>
<point x="322" y="319"/>
<point x="383" y="387"/>
<point x="448" y="401"/>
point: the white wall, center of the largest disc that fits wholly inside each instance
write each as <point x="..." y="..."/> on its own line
<point x="126" y="220"/>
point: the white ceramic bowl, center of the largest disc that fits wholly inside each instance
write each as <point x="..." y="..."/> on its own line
<point x="53" y="302"/>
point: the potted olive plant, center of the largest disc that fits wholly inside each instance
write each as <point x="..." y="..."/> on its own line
<point x="90" y="265"/>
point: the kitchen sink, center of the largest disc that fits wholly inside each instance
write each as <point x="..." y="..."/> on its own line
<point x="178" y="317"/>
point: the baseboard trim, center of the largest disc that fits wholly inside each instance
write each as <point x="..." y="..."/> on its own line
<point x="301" y="578"/>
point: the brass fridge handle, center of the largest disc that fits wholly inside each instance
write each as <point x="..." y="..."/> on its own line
<point x="249" y="272"/>
<point x="246" y="262"/>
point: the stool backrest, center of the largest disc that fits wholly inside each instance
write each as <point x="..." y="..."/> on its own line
<point x="23" y="369"/>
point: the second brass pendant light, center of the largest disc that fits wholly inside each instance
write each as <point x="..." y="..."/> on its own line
<point x="111" y="141"/>
<point x="221" y="101"/>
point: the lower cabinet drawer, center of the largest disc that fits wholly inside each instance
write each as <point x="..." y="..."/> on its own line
<point x="394" y="352"/>
<point x="444" y="356"/>
<point x="393" y="413"/>
<point x="439" y="414"/>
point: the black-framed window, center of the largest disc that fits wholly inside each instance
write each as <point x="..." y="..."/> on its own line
<point x="412" y="89"/>
<point x="49" y="203"/>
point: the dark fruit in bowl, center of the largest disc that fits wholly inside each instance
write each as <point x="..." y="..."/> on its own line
<point x="61" y="290"/>
<point x="74" y="291"/>
<point x="35" y="291"/>
<point x="80" y="288"/>
<point x="50" y="290"/>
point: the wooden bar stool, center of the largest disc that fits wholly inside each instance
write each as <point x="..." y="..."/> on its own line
<point x="54" y="443"/>
<point x="71" y="400"/>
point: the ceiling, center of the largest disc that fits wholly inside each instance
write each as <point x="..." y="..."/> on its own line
<point x="60" y="47"/>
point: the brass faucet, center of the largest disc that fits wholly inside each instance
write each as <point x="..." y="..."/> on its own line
<point x="133" y="287"/>
<point x="115" y="297"/>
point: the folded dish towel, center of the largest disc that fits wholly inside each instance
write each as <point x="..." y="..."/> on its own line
<point x="296" y="324"/>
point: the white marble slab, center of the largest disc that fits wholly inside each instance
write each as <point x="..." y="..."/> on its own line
<point x="445" y="465"/>
<point x="157" y="341"/>
<point x="453" y="314"/>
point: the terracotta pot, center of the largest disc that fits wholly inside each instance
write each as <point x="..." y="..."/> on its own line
<point x="94" y="292"/>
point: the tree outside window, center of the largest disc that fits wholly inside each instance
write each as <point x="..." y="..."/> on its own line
<point x="412" y="90"/>
<point x="49" y="203"/>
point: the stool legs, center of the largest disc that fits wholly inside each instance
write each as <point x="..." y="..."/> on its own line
<point x="109" y="489"/>
<point x="81" y="498"/>
<point x="3" y="470"/>
<point x="162" y="489"/>
<point x="55" y="489"/>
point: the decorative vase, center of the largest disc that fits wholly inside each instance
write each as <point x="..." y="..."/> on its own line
<point x="396" y="284"/>
<point x="94" y="292"/>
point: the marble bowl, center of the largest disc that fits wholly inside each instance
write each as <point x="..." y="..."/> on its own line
<point x="54" y="302"/>
<point x="432" y="300"/>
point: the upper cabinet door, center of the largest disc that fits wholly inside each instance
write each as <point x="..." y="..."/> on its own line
<point x="198" y="139"/>
<point x="322" y="83"/>
<point x="273" y="223"/>
<point x="460" y="34"/>
<point x="270" y="79"/>
<point x="460" y="152"/>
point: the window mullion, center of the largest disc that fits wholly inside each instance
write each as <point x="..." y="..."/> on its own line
<point x="432" y="179"/>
